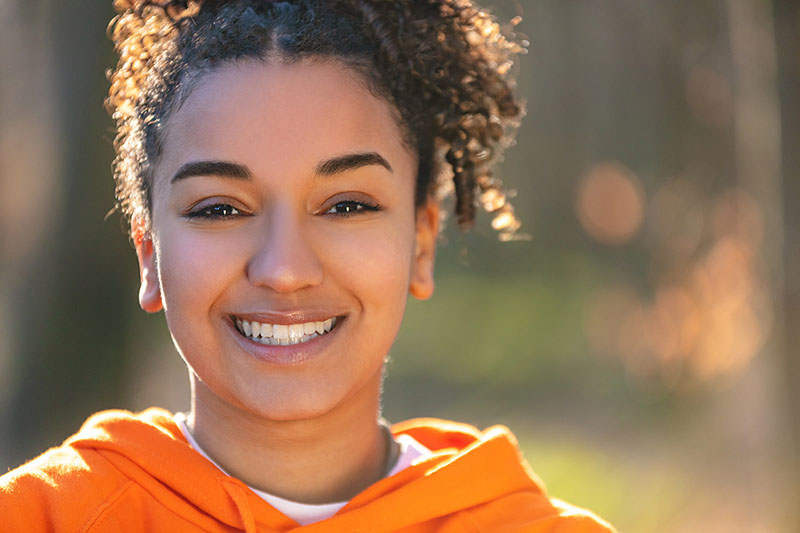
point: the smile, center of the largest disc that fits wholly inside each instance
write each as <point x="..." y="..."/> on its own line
<point x="284" y="334"/>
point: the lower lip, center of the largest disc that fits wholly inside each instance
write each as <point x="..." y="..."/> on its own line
<point x="291" y="354"/>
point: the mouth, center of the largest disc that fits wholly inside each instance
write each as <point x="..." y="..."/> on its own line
<point x="284" y="334"/>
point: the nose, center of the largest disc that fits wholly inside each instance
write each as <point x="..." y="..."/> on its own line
<point x="285" y="260"/>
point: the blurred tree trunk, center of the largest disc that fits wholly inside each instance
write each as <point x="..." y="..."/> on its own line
<point x="30" y="185"/>
<point x="762" y="411"/>
<point x="787" y="28"/>
<point x="62" y="354"/>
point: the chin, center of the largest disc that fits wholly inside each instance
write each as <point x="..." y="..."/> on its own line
<point x="291" y="405"/>
<point x="312" y="399"/>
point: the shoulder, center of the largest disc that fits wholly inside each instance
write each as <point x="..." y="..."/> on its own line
<point x="532" y="512"/>
<point x="583" y="519"/>
<point x="61" y="489"/>
<point x="68" y="487"/>
<point x="505" y="494"/>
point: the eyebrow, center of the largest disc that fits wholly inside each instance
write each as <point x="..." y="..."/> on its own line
<point x="351" y="162"/>
<point x="328" y="167"/>
<point x="225" y="169"/>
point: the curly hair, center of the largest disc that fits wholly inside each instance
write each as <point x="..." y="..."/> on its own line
<point x="445" y="66"/>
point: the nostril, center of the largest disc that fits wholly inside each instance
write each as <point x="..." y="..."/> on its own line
<point x="285" y="264"/>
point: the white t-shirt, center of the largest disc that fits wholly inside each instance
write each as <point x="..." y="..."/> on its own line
<point x="411" y="451"/>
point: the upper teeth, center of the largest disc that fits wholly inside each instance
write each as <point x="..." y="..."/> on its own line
<point x="284" y="334"/>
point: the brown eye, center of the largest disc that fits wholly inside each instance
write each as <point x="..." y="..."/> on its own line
<point x="216" y="211"/>
<point x="350" y="207"/>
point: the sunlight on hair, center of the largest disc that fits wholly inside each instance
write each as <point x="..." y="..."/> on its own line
<point x="505" y="220"/>
<point x="492" y="200"/>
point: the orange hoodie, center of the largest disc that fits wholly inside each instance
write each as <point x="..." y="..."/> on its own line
<point x="136" y="472"/>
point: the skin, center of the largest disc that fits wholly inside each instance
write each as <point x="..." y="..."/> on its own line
<point x="272" y="246"/>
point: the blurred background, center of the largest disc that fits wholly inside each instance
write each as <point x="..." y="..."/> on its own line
<point x="642" y="344"/>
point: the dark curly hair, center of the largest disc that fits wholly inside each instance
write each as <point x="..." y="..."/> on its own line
<point x="445" y="65"/>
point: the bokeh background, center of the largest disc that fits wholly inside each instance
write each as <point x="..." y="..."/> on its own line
<point x="642" y="343"/>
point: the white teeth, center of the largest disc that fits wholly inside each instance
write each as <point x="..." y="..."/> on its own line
<point x="295" y="331"/>
<point x="280" y="331"/>
<point x="283" y="334"/>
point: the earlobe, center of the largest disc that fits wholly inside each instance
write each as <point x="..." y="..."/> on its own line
<point x="421" y="286"/>
<point x="150" y="288"/>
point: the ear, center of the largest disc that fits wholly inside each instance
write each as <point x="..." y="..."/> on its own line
<point x="150" y="288"/>
<point x="421" y="286"/>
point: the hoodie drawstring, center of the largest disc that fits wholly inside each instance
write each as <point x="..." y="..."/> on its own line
<point x="239" y="498"/>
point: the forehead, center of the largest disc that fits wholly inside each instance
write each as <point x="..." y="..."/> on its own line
<point x="279" y="114"/>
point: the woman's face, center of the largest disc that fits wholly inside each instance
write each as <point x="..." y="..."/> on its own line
<point x="284" y="236"/>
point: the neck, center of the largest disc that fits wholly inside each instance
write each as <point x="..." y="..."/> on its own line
<point x="328" y="458"/>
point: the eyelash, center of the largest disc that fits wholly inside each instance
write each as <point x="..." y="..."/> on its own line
<point x="360" y="208"/>
<point x="210" y="212"/>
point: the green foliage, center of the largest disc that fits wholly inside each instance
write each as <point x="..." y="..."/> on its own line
<point x="632" y="495"/>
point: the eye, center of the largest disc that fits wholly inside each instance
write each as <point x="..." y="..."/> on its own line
<point x="214" y="212"/>
<point x="346" y="208"/>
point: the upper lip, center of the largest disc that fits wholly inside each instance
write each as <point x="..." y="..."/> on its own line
<point x="287" y="317"/>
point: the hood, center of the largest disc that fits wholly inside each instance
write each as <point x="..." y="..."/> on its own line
<point x="468" y="468"/>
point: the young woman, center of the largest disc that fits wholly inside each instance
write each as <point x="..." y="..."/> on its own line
<point x="280" y="164"/>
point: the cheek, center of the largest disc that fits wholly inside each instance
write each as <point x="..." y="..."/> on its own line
<point x="194" y="267"/>
<point x="373" y="261"/>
